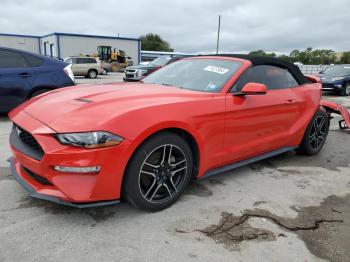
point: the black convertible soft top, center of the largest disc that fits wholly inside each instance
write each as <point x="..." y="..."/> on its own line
<point x="262" y="60"/>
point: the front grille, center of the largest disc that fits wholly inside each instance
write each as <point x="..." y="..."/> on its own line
<point x="24" y="142"/>
<point x="27" y="138"/>
<point x="130" y="71"/>
<point x="129" y="75"/>
<point x="37" y="178"/>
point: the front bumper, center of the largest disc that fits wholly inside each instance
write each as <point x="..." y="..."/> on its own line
<point x="36" y="171"/>
<point x="131" y="79"/>
<point x="33" y="193"/>
<point x="332" y="87"/>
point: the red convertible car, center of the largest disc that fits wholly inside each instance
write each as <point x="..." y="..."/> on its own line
<point x="96" y="144"/>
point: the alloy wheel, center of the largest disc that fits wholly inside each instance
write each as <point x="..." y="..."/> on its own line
<point x="347" y="89"/>
<point x="318" y="133"/>
<point x="93" y="74"/>
<point x="162" y="173"/>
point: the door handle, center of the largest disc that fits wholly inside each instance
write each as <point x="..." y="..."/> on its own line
<point x="290" y="101"/>
<point x="25" y="75"/>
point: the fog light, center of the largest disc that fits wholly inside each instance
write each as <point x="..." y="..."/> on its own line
<point x="75" y="169"/>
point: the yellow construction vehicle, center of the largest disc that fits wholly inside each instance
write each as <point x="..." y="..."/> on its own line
<point x="116" y="58"/>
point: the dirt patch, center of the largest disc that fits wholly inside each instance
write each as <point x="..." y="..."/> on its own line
<point x="232" y="230"/>
<point x="325" y="229"/>
<point x="198" y="189"/>
<point x="5" y="173"/>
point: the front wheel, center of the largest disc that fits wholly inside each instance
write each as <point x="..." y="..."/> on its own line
<point x="315" y="134"/>
<point x="92" y="74"/>
<point x="346" y="90"/>
<point x="159" y="172"/>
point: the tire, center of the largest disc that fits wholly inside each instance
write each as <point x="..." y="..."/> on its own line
<point x="104" y="72"/>
<point x="39" y="92"/>
<point x="92" y="74"/>
<point x="154" y="181"/>
<point x="346" y="90"/>
<point x="315" y="134"/>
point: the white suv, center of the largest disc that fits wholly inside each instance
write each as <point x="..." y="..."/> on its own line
<point x="89" y="67"/>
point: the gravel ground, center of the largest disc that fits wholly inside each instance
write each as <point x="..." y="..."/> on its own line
<point x="287" y="208"/>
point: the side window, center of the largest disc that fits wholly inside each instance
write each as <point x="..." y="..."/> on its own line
<point x="273" y="77"/>
<point x="91" y="61"/>
<point x="80" y="61"/>
<point x="33" y="60"/>
<point x="10" y="59"/>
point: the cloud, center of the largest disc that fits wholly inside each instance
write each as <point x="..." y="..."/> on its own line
<point x="190" y="26"/>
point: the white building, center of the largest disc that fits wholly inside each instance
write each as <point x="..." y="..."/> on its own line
<point x="62" y="45"/>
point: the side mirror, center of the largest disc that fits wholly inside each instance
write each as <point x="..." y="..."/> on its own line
<point x="253" y="89"/>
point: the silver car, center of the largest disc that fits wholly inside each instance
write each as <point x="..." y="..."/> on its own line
<point x="89" y="67"/>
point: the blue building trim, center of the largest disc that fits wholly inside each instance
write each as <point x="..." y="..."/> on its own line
<point x="58" y="46"/>
<point x="93" y="36"/>
<point x="16" y="35"/>
<point x="69" y="34"/>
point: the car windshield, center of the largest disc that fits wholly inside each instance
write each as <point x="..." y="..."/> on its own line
<point x="208" y="75"/>
<point x="337" y="70"/>
<point x="160" y="61"/>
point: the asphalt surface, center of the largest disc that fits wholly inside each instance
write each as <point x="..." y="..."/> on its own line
<point x="253" y="210"/>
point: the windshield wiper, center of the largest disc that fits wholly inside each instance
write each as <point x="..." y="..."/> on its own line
<point x="165" y="84"/>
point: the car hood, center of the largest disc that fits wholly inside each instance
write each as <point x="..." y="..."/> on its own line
<point x="91" y="107"/>
<point x="329" y="76"/>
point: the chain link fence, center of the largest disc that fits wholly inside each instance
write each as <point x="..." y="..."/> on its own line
<point x="312" y="69"/>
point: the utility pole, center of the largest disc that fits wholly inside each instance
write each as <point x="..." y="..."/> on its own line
<point x="218" y="40"/>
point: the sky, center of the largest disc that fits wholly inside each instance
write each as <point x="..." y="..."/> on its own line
<point x="191" y="26"/>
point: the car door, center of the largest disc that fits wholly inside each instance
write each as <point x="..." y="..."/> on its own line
<point x="16" y="79"/>
<point x="78" y="66"/>
<point x="257" y="124"/>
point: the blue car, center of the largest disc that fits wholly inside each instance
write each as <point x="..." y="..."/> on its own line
<point x="24" y="75"/>
<point x="336" y="79"/>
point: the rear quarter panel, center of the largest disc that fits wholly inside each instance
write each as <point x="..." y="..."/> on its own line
<point x="308" y="99"/>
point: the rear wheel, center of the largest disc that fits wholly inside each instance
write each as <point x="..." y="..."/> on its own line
<point x="39" y="92"/>
<point x="316" y="134"/>
<point x="346" y="90"/>
<point x="92" y="73"/>
<point x="158" y="172"/>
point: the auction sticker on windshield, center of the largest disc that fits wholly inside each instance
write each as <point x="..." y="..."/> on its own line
<point x="216" y="69"/>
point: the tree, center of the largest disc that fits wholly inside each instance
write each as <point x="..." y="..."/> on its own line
<point x="345" y="59"/>
<point x="153" y="42"/>
<point x="262" y="53"/>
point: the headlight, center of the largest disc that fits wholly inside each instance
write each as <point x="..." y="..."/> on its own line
<point x="140" y="72"/>
<point x="89" y="139"/>
<point x="337" y="78"/>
